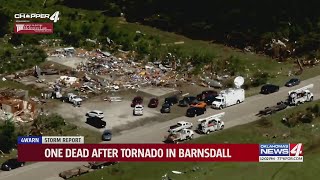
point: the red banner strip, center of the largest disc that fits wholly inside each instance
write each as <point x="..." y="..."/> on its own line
<point x="33" y="28"/>
<point x="139" y="152"/>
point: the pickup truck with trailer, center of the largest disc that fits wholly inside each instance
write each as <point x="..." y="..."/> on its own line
<point x="179" y="126"/>
<point x="74" y="172"/>
<point x="182" y="135"/>
<point x="211" y="123"/>
<point x="270" y="110"/>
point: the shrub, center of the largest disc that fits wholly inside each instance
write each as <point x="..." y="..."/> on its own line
<point x="49" y="122"/>
<point x="316" y="110"/>
<point x="265" y="122"/>
<point x="299" y="117"/>
<point x="260" y="79"/>
<point x="307" y="118"/>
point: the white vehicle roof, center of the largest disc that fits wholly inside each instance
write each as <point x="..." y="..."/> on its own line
<point x="300" y="90"/>
<point x="138" y="106"/>
<point x="182" y="122"/>
<point x="216" y="117"/>
<point x="96" y="111"/>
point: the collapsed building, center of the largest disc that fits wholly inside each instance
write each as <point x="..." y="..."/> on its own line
<point x="16" y="103"/>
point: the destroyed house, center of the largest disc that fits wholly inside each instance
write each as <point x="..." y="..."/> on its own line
<point x="16" y="106"/>
<point x="14" y="93"/>
<point x="16" y="102"/>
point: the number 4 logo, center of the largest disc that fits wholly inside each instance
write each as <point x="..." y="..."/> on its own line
<point x="296" y="150"/>
<point x="55" y="16"/>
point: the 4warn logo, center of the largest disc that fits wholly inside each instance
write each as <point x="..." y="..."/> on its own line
<point x="53" y="17"/>
<point x="296" y="149"/>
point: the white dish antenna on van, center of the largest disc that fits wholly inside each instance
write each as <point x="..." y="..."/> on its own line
<point x="238" y="81"/>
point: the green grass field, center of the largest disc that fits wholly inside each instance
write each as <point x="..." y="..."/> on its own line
<point x="249" y="133"/>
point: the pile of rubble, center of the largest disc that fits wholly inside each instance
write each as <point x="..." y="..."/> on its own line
<point x="103" y="72"/>
<point x="15" y="106"/>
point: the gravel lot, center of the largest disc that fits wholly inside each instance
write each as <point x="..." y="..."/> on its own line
<point x="116" y="114"/>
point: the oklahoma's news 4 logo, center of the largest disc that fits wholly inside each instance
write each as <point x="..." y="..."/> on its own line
<point x="296" y="149"/>
<point x="281" y="149"/>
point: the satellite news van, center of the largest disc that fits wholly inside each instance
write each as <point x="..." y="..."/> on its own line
<point x="230" y="96"/>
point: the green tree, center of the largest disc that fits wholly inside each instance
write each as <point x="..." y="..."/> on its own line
<point x="8" y="137"/>
<point x="16" y="39"/>
<point x="143" y="47"/>
<point x="260" y="78"/>
<point x="4" y="24"/>
<point x="71" y="39"/>
<point x="104" y="30"/>
<point x="234" y="65"/>
<point x="86" y="30"/>
<point x="49" y="122"/>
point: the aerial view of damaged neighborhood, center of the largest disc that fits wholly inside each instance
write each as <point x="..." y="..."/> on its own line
<point x="160" y="71"/>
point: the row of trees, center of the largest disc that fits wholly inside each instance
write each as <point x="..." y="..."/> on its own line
<point x="237" y="23"/>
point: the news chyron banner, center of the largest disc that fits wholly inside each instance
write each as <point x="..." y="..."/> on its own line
<point x="72" y="148"/>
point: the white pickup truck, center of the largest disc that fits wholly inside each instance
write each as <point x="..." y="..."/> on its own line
<point x="184" y="134"/>
<point x="179" y="126"/>
<point x="72" y="98"/>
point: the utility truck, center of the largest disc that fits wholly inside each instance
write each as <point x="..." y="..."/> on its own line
<point x="211" y="123"/>
<point x="230" y="96"/>
<point x="179" y="126"/>
<point x="182" y="135"/>
<point x="300" y="96"/>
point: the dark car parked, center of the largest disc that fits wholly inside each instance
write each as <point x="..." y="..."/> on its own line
<point x="153" y="103"/>
<point x="205" y="94"/>
<point x="100" y="165"/>
<point x="186" y="101"/>
<point x="292" y="82"/>
<point x="96" y="122"/>
<point x="136" y="100"/>
<point x="166" y="108"/>
<point x="106" y="135"/>
<point x="171" y="100"/>
<point x="269" y="88"/>
<point x="11" y="164"/>
<point x="195" y="111"/>
<point x="209" y="99"/>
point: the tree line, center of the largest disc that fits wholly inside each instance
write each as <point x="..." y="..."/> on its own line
<point x="231" y="22"/>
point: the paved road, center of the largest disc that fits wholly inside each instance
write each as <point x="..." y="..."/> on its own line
<point x="154" y="133"/>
